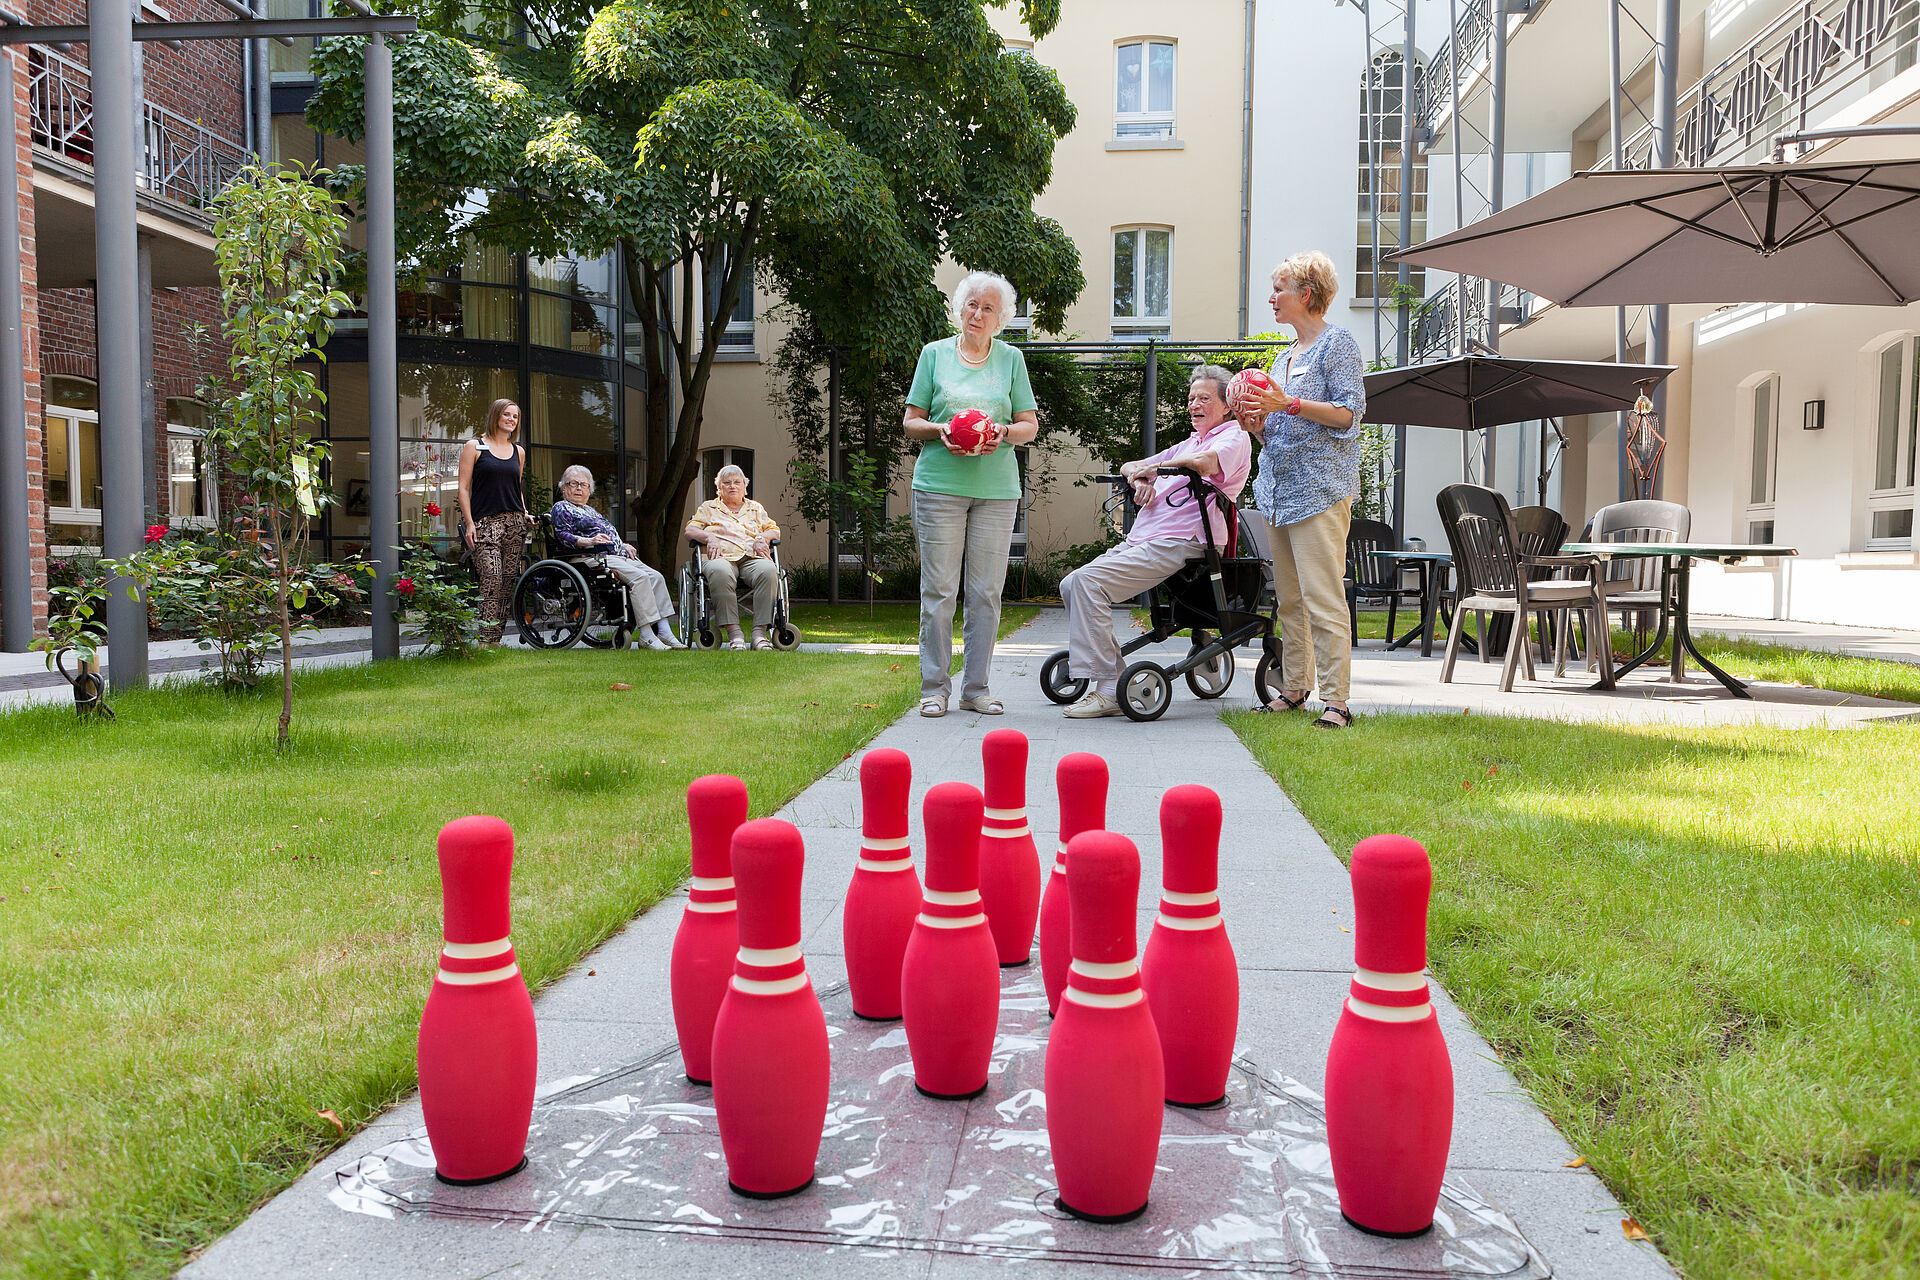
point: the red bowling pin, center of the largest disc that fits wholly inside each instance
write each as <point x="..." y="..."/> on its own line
<point x="1192" y="980"/>
<point x="478" y="1048"/>
<point x="1104" y="1078"/>
<point x="704" y="945"/>
<point x="1009" y="862"/>
<point x="1389" y="1083"/>
<point x="1082" y="780"/>
<point x="884" y="897"/>
<point x="950" y="980"/>
<point x="770" y="1065"/>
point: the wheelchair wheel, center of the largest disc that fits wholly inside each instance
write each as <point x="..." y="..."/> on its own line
<point x="704" y="638"/>
<point x="552" y="605"/>
<point x="1059" y="687"/>
<point x="1211" y="678"/>
<point x="1145" y="691"/>
<point x="1266" y="680"/>
<point x="785" y="638"/>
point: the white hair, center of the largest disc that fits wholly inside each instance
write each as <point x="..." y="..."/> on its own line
<point x="568" y="474"/>
<point x="980" y="282"/>
<point x="724" y="472"/>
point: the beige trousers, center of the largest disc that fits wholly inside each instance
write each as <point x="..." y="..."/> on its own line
<point x="1309" y="568"/>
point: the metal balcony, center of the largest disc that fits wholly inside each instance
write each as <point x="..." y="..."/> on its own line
<point x="182" y="162"/>
<point x="1806" y="67"/>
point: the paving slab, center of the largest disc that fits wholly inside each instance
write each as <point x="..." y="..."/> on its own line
<point x="1287" y="904"/>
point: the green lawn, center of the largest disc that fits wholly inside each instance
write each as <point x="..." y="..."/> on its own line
<point x="1696" y="948"/>
<point x="204" y="945"/>
<point x="891" y="623"/>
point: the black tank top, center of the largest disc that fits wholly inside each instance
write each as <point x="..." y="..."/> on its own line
<point x="496" y="484"/>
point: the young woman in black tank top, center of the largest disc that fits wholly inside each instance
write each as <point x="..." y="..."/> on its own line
<point x="493" y="501"/>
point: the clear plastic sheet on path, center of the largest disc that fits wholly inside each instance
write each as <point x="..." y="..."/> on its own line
<point x="1243" y="1188"/>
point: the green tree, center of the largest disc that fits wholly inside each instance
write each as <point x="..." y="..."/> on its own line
<point x="277" y="241"/>
<point x="840" y="148"/>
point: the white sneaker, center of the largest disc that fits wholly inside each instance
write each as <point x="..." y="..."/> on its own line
<point x="1093" y="706"/>
<point x="649" y="640"/>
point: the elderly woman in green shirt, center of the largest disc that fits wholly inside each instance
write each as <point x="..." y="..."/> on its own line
<point x="964" y="503"/>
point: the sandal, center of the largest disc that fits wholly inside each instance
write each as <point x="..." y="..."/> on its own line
<point x="984" y="706"/>
<point x="1286" y="704"/>
<point x="933" y="707"/>
<point x="1346" y="718"/>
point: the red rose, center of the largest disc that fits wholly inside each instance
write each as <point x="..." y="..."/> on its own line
<point x="433" y="508"/>
<point x="404" y="586"/>
<point x="155" y="532"/>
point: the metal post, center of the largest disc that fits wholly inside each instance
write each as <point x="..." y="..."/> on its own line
<point x="16" y="552"/>
<point x="1150" y="398"/>
<point x="262" y="62"/>
<point x="1666" y="84"/>
<point x="116" y="268"/>
<point x="383" y="370"/>
<point x="1409" y="98"/>
<point x="1246" y="175"/>
<point x="833" y="473"/>
<point x="1371" y="98"/>
<point x="149" y="465"/>
<point x="1621" y="480"/>
<point x="1459" y="176"/>
<point x="1496" y="194"/>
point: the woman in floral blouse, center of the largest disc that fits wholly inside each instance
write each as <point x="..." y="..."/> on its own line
<point x="579" y="528"/>
<point x="1309" y="476"/>
<point x="738" y="535"/>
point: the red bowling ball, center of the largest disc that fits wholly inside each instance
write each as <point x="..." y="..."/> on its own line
<point x="1247" y="383"/>
<point x="972" y="432"/>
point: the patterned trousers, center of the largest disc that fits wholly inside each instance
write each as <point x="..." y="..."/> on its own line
<point x="498" y="550"/>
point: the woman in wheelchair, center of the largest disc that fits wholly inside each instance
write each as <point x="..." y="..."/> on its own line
<point x="581" y="530"/>
<point x="1166" y="535"/>
<point x="737" y="533"/>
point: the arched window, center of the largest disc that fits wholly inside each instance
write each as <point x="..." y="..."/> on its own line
<point x="1382" y="98"/>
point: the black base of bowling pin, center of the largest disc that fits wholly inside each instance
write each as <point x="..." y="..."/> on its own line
<point x="951" y="1097"/>
<point x="1104" y="1219"/>
<point x="1217" y="1104"/>
<point x="1387" y="1235"/>
<point x="867" y="1017"/>
<point x="480" y="1182"/>
<point x="1015" y="964"/>
<point x="704" y="1084"/>
<point x="767" y="1195"/>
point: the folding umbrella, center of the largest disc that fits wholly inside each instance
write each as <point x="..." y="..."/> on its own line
<point x="1822" y="232"/>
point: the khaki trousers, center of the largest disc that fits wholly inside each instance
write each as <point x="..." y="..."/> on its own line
<point x="725" y="578"/>
<point x="1309" y="568"/>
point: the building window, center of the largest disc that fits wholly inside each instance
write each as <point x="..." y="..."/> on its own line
<point x="1382" y="98"/>
<point x="1764" y="457"/>
<point x="1017" y="546"/>
<point x="72" y="457"/>
<point x="738" y="335"/>
<point x="1897" y="398"/>
<point x="711" y="460"/>
<point x="190" y="489"/>
<point x="1142" y="282"/>
<point x="1143" y="89"/>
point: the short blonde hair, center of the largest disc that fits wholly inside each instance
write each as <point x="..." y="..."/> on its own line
<point x="980" y="282"/>
<point x="1312" y="271"/>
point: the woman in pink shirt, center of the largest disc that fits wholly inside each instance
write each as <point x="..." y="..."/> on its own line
<point x="1164" y="537"/>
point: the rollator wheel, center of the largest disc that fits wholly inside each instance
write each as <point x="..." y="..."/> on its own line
<point x="1210" y="678"/>
<point x="1057" y="685"/>
<point x="1266" y="680"/>
<point x="785" y="638"/>
<point x="1145" y="691"/>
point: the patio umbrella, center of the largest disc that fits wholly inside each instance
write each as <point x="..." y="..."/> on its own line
<point x="1824" y="232"/>
<point x="1469" y="392"/>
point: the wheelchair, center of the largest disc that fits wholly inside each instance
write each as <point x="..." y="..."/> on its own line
<point x="1224" y="601"/>
<point x="696" y="618"/>
<point x="571" y="598"/>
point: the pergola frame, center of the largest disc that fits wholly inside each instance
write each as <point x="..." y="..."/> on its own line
<point x="110" y="34"/>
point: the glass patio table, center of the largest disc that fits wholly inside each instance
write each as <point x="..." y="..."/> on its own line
<point x="1433" y="567"/>
<point x="1675" y="578"/>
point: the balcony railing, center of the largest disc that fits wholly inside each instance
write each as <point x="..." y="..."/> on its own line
<point x="1436" y="324"/>
<point x="1805" y="67"/>
<point x="181" y="161"/>
<point x="1470" y="34"/>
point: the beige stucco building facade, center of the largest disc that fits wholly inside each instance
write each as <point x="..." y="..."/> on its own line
<point x="1148" y="184"/>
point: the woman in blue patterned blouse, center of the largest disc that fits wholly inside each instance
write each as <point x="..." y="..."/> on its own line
<point x="1309" y="426"/>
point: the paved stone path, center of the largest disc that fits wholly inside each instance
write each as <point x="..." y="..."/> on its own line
<point x="1286" y="900"/>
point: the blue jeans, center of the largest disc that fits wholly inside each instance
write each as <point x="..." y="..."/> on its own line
<point x="953" y="531"/>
